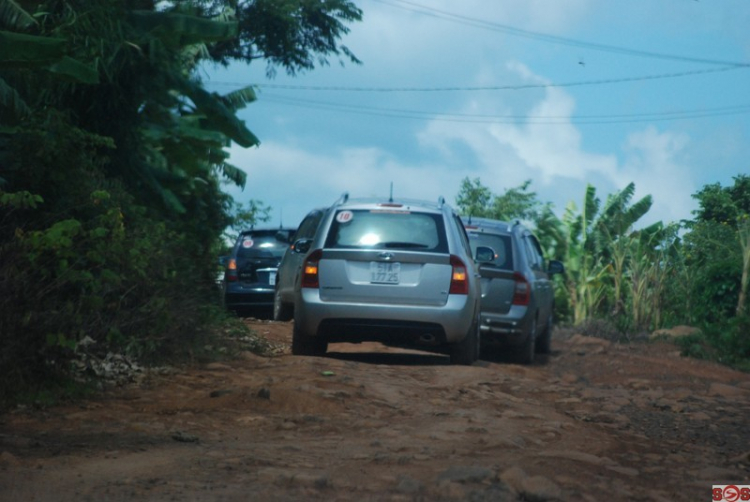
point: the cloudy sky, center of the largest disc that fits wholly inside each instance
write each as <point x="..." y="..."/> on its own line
<point x="561" y="92"/>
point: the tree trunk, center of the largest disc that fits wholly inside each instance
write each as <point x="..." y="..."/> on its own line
<point x="744" y="235"/>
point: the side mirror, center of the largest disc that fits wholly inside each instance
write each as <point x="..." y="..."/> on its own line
<point x="223" y="260"/>
<point x="555" y="267"/>
<point x="302" y="246"/>
<point x="484" y="254"/>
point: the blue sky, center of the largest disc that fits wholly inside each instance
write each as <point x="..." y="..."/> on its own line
<point x="562" y="92"/>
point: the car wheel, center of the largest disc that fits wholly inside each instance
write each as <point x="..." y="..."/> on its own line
<point x="281" y="311"/>
<point x="303" y="345"/>
<point x="466" y="352"/>
<point x="525" y="352"/>
<point x="545" y="338"/>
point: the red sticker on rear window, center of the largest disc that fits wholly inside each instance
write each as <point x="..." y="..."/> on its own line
<point x="344" y="216"/>
<point x="247" y="243"/>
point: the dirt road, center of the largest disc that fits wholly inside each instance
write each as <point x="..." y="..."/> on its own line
<point x="594" y="421"/>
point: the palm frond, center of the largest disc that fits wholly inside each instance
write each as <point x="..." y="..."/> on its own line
<point x="233" y="174"/>
<point x="617" y="202"/>
<point x="238" y="99"/>
<point x="18" y="50"/>
<point x="590" y="205"/>
<point x="218" y="116"/>
<point x="75" y="71"/>
<point x="637" y="210"/>
<point x="14" y="17"/>
<point x="180" y="30"/>
<point x="12" y="106"/>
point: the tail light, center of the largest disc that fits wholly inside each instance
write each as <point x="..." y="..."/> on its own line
<point x="522" y="291"/>
<point x="459" y="277"/>
<point x="310" y="269"/>
<point x="230" y="274"/>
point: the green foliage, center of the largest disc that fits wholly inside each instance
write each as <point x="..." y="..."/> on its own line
<point x="473" y="198"/>
<point x="246" y="216"/>
<point x="723" y="205"/>
<point x="695" y="273"/>
<point x="293" y="34"/>
<point x="112" y="160"/>
<point x="603" y="253"/>
<point x="726" y="342"/>
<point x="516" y="203"/>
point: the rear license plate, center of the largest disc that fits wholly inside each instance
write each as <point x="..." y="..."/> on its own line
<point x="385" y="272"/>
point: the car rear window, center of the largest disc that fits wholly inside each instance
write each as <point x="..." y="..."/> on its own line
<point x="260" y="246"/>
<point x="499" y="243"/>
<point x="388" y="229"/>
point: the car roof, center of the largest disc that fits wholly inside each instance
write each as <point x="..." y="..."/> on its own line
<point x="382" y="202"/>
<point x="266" y="230"/>
<point x="487" y="224"/>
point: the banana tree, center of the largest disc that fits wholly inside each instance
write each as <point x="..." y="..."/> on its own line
<point x="595" y="257"/>
<point x="744" y="238"/>
<point x="23" y="49"/>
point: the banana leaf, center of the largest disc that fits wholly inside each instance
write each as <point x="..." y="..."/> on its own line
<point x="75" y="71"/>
<point x="13" y="15"/>
<point x="181" y="30"/>
<point x="21" y="50"/>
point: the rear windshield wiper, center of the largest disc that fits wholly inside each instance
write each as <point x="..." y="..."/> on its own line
<point x="396" y="244"/>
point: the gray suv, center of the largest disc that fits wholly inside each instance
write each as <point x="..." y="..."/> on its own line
<point x="397" y="272"/>
<point x="518" y="298"/>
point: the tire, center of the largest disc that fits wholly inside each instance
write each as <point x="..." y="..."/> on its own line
<point x="544" y="340"/>
<point x="281" y="311"/>
<point x="303" y="345"/>
<point x="466" y="352"/>
<point x="524" y="353"/>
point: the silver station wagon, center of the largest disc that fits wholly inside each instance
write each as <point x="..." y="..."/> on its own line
<point x="518" y="298"/>
<point x="397" y="272"/>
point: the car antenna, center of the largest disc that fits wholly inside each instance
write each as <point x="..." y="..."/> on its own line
<point x="390" y="199"/>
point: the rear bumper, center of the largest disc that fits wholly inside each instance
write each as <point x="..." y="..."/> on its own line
<point x="392" y="324"/>
<point x="237" y="296"/>
<point x="511" y="328"/>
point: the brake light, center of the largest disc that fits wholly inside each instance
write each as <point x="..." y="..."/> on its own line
<point x="230" y="274"/>
<point x="459" y="277"/>
<point x="522" y="291"/>
<point x="310" y="270"/>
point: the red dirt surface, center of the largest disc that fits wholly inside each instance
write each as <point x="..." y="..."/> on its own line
<point x="593" y="421"/>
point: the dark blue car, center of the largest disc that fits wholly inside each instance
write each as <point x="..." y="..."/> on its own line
<point x="250" y="273"/>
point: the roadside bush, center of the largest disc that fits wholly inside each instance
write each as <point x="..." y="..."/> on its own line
<point x="128" y="288"/>
<point x="730" y="340"/>
<point x="81" y="260"/>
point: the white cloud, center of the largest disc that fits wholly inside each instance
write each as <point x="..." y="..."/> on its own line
<point x="293" y="181"/>
<point x="308" y="158"/>
<point x="653" y="163"/>
<point x="550" y="154"/>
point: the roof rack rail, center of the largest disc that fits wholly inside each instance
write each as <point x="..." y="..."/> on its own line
<point x="441" y="201"/>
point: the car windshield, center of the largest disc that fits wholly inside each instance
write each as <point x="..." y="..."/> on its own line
<point x="499" y="243"/>
<point x="260" y="246"/>
<point x="387" y="229"/>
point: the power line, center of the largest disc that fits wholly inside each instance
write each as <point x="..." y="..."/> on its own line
<point x="512" y="119"/>
<point x="492" y="26"/>
<point x="516" y="87"/>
